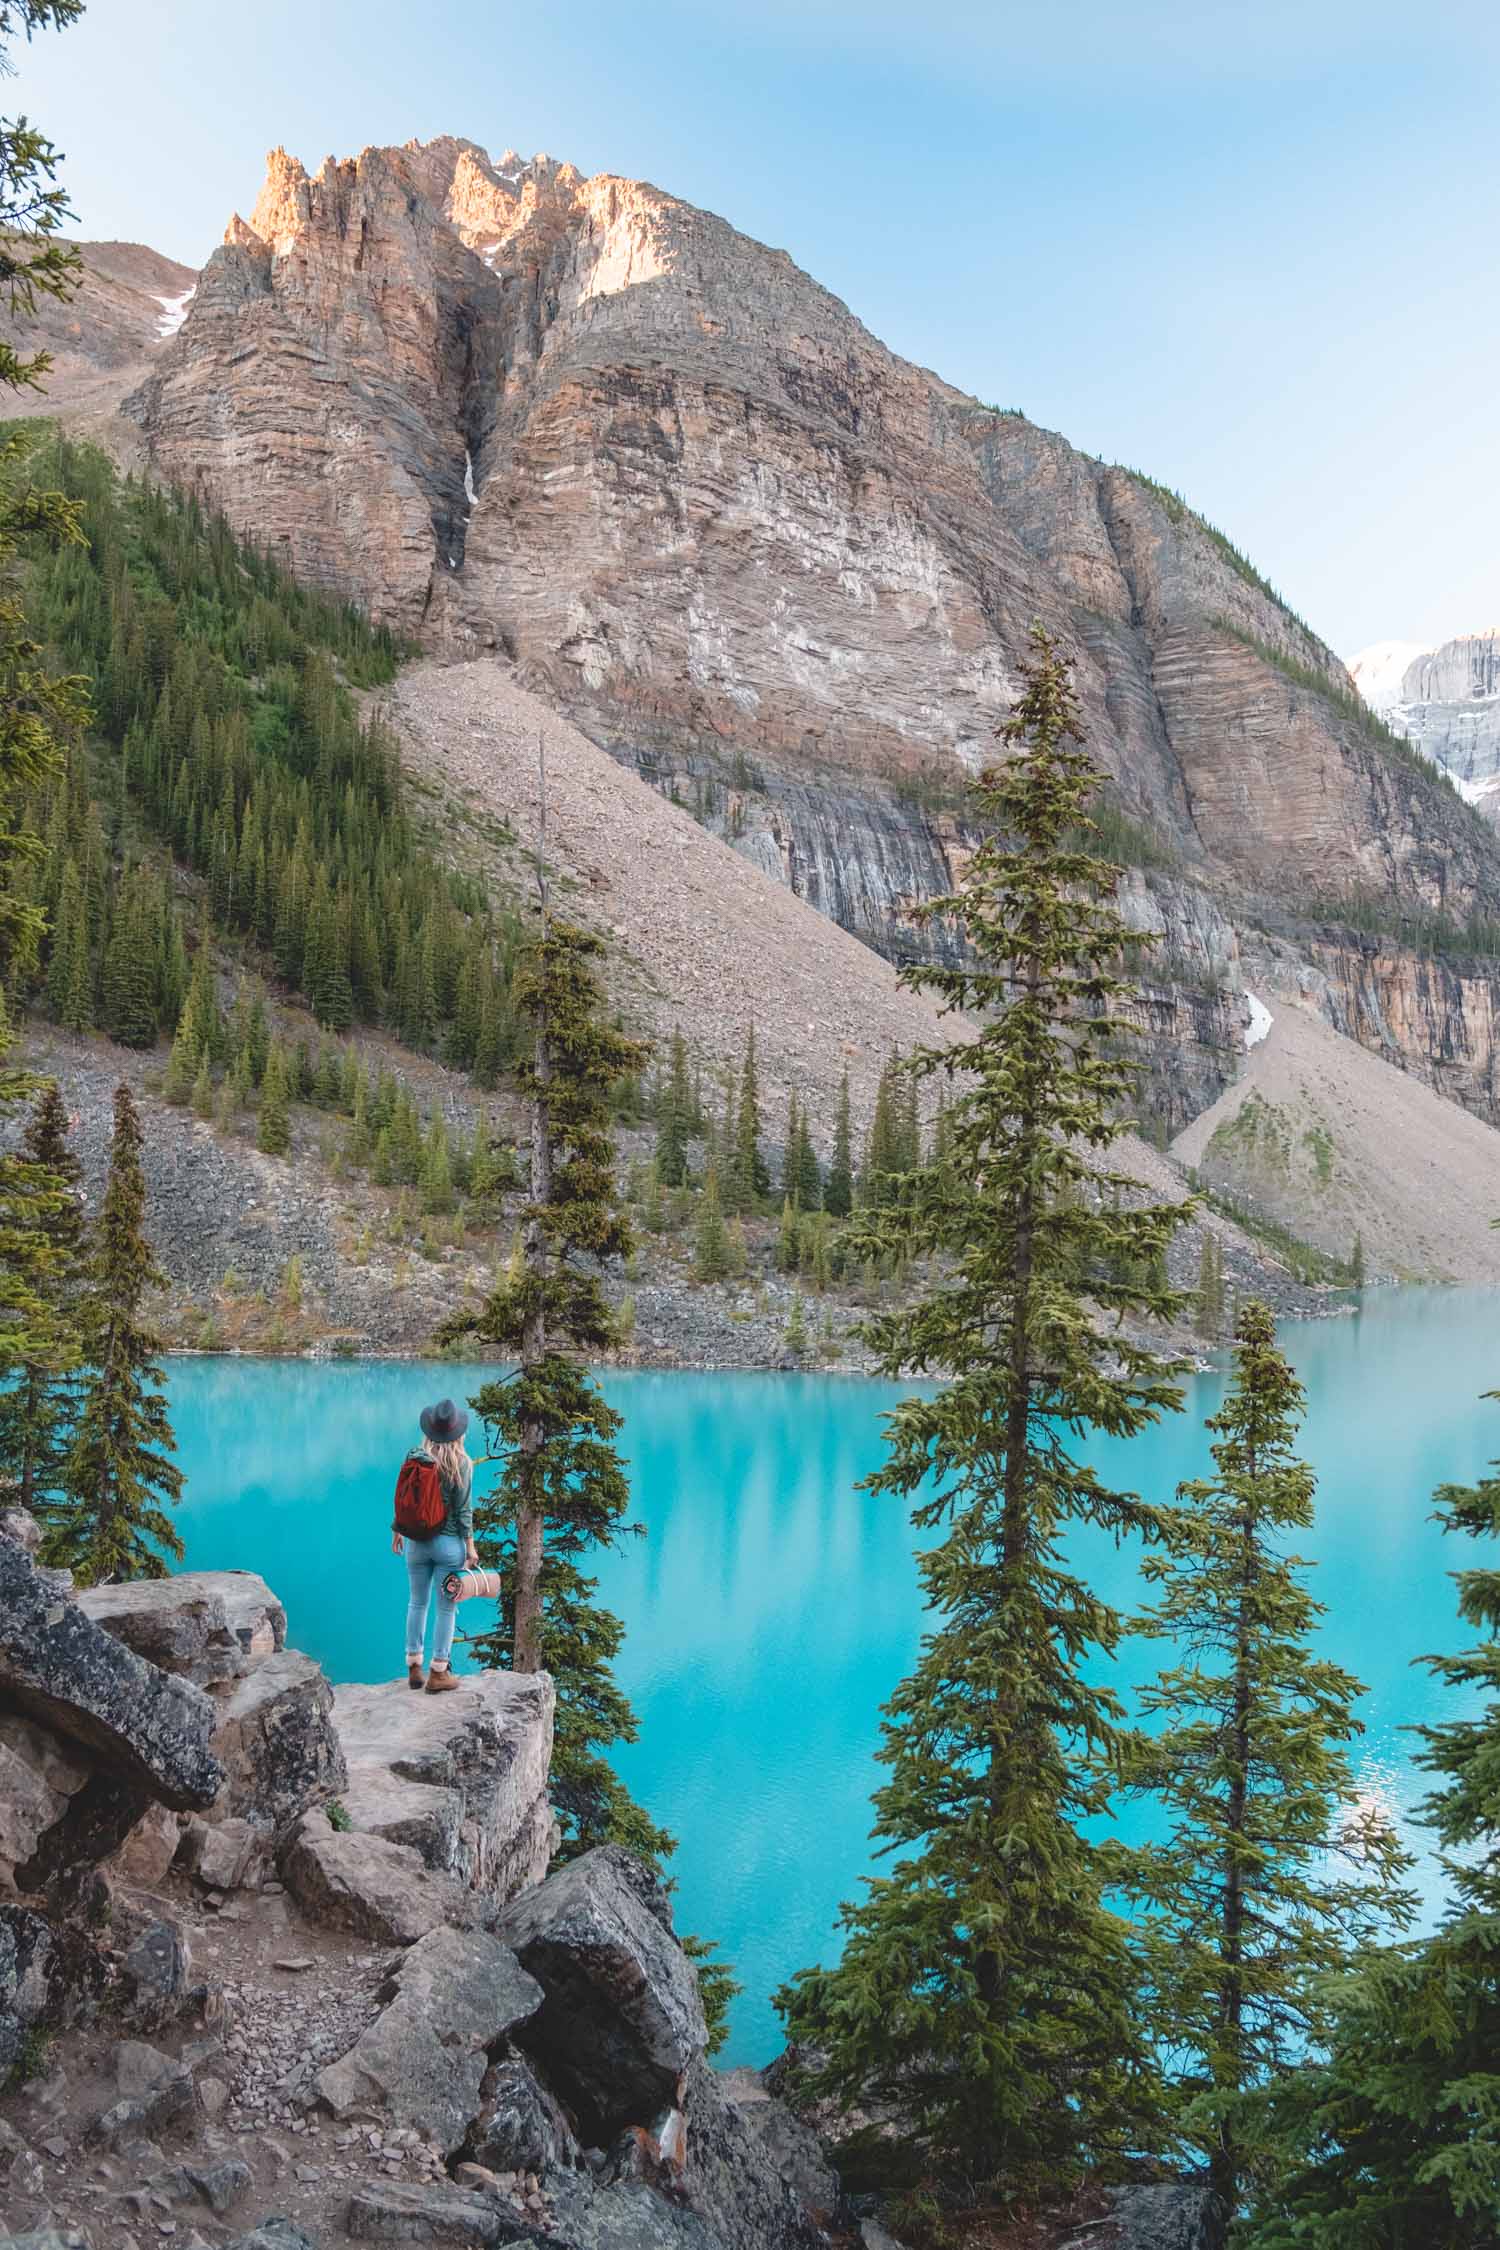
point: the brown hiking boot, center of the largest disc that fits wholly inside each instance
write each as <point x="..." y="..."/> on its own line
<point x="438" y="1683"/>
<point x="415" y="1676"/>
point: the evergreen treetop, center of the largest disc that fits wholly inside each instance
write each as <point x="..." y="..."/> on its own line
<point x="986" y="1990"/>
<point x="1270" y="1876"/>
<point x="108" y="1521"/>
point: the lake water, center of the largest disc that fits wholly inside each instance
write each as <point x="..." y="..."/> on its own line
<point x="772" y="1607"/>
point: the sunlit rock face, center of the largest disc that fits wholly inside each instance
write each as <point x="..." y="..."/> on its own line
<point x="787" y="575"/>
<point x="1447" y="701"/>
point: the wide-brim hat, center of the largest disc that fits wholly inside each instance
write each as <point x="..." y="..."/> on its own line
<point x="443" y="1422"/>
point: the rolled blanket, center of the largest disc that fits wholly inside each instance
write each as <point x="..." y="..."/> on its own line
<point x="467" y="1585"/>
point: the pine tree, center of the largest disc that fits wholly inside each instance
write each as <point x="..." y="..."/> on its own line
<point x="1390" y="2139"/>
<point x="1357" y="1263"/>
<point x="986" y="1990"/>
<point x="1209" y="1306"/>
<point x="1246" y="1907"/>
<point x="796" y="1331"/>
<point x="838" y="1193"/>
<point x="563" y="1492"/>
<point x="107" y="1522"/>
<point x="789" y="1239"/>
<point x="128" y="983"/>
<point x="807" y="1172"/>
<point x="747" y="1177"/>
<point x="437" y="1170"/>
<point x="711" y="1243"/>
<point x="274" y="1135"/>
<point x="36" y="1406"/>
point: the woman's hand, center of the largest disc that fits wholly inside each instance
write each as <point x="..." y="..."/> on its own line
<point x="471" y="1556"/>
<point x="395" y="1543"/>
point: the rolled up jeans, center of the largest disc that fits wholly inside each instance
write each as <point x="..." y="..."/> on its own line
<point x="428" y="1562"/>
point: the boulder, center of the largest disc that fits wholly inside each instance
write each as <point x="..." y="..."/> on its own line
<point x="149" y="1849"/>
<point x="401" y="2211"/>
<point x="219" y="2186"/>
<point x="749" y="2172"/>
<point x="462" y="1778"/>
<point x="179" y="1624"/>
<point x="448" y="2005"/>
<point x="1169" y="2215"/>
<point x="621" y="2020"/>
<point x="22" y="1528"/>
<point x="168" y="2100"/>
<point x="62" y="1670"/>
<point x="232" y="1855"/>
<point x="626" y="2215"/>
<point x="520" y="2128"/>
<point x="38" y="1777"/>
<point x="276" y="1743"/>
<point x="155" y="1973"/>
<point x="46" y="1973"/>
<point x="791" y="2149"/>
<point x="363" y="1884"/>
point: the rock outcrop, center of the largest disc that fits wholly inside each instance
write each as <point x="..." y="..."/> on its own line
<point x="148" y="1731"/>
<point x="461" y="1778"/>
<point x="782" y="572"/>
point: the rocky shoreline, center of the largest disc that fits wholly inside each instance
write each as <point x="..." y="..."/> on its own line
<point x="285" y="1965"/>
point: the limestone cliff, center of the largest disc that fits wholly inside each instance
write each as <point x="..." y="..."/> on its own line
<point x="784" y="573"/>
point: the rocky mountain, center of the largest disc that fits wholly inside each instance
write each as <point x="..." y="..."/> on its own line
<point x="584" y="428"/>
<point x="1447" y="701"/>
<point x="129" y="301"/>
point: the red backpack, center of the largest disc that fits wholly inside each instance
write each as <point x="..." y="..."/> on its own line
<point x="421" y="1510"/>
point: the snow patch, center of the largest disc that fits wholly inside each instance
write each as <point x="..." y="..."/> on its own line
<point x="174" y="311"/>
<point x="1261" y="1020"/>
<point x="1379" y="670"/>
<point x="469" y="493"/>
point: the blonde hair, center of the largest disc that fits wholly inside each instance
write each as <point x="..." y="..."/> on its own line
<point x="451" y="1458"/>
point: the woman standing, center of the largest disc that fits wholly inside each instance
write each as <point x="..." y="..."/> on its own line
<point x="449" y="1546"/>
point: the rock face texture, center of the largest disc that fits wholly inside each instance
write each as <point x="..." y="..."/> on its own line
<point x="1447" y="701"/>
<point x="59" y="1669"/>
<point x="128" y="302"/>
<point x="462" y="1778"/>
<point x="785" y="574"/>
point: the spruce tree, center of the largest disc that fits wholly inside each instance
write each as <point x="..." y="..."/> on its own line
<point x="808" y="1173"/>
<point x="747" y="1177"/>
<point x="1267" y="1880"/>
<point x="1357" y="1263"/>
<point x="107" y="1521"/>
<point x="563" y="1492"/>
<point x="1390" y="2138"/>
<point x="274" y="1134"/>
<point x="43" y="1255"/>
<point x="986" y="1991"/>
<point x="711" y="1241"/>
<point x="838" y="1194"/>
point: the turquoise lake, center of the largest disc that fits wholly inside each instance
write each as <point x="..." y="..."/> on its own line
<point x="772" y="1607"/>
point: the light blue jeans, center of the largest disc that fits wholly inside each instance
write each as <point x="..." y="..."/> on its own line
<point x="428" y="1562"/>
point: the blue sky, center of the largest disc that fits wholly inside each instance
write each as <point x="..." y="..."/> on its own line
<point x="1249" y="248"/>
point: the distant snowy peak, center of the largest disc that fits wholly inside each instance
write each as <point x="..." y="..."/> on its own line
<point x="1378" y="671"/>
<point x="1446" y="700"/>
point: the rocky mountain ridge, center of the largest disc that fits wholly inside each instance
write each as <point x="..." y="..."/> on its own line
<point x="789" y="577"/>
<point x="1447" y="701"/>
